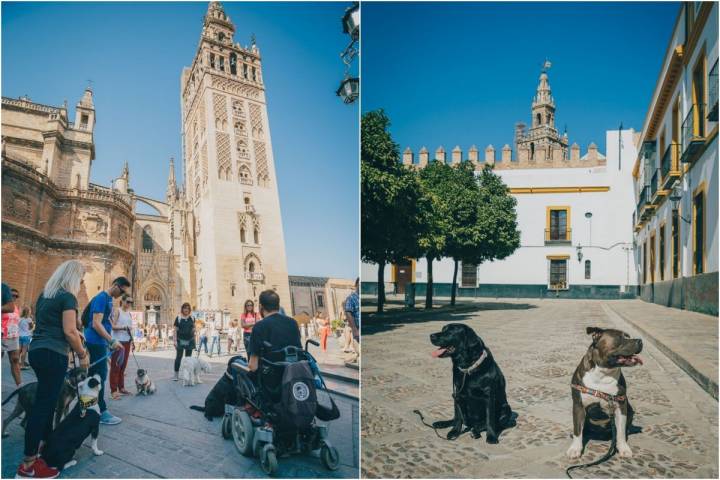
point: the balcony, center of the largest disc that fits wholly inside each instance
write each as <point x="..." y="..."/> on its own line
<point x="693" y="133"/>
<point x="644" y="207"/>
<point x="558" y="236"/>
<point x="670" y="165"/>
<point x="657" y="193"/>
<point x="255" y="277"/>
<point x="713" y="94"/>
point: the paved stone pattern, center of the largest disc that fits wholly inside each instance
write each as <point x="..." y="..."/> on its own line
<point x="161" y="437"/>
<point x="691" y="335"/>
<point x="538" y="344"/>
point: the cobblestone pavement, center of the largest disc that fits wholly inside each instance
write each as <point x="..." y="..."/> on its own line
<point x="538" y="344"/>
<point x="161" y="437"/>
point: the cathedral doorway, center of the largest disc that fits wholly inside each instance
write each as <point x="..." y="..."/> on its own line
<point x="153" y="305"/>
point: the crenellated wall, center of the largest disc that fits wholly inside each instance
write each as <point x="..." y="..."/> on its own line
<point x="552" y="157"/>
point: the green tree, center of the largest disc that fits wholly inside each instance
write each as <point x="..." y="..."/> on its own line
<point x="391" y="200"/>
<point x="436" y="180"/>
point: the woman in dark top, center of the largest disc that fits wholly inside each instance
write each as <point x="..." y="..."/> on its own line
<point x="55" y="333"/>
<point x="184" y="335"/>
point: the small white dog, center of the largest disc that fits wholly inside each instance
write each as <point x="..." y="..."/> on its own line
<point x="190" y="368"/>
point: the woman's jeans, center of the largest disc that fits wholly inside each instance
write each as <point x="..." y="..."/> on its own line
<point x="215" y="339"/>
<point x="97" y="351"/>
<point x="203" y="341"/>
<point x="50" y="368"/>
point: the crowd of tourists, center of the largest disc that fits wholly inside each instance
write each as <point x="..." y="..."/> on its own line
<point x="102" y="338"/>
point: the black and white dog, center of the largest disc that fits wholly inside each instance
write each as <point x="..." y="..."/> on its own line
<point x="478" y="384"/>
<point x="83" y="421"/>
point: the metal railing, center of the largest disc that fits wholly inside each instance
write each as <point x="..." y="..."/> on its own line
<point x="642" y="198"/>
<point x="713" y="93"/>
<point x="693" y="131"/>
<point x="256" y="277"/>
<point x="670" y="161"/>
<point x="559" y="235"/>
<point x="654" y="180"/>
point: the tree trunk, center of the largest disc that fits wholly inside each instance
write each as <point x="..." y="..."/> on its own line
<point x="454" y="285"/>
<point x="429" y="290"/>
<point x="381" y="287"/>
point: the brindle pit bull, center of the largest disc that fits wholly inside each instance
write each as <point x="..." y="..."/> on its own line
<point x="600" y="370"/>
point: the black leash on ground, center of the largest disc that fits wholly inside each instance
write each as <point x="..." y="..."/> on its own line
<point x="455" y="393"/>
<point x="611" y="451"/>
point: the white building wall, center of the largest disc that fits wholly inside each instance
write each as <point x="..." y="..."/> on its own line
<point x="606" y="238"/>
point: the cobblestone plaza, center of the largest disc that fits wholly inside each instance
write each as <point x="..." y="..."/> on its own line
<point x="537" y="344"/>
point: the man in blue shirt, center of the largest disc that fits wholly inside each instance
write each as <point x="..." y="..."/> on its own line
<point x="98" y="337"/>
<point x="352" y="314"/>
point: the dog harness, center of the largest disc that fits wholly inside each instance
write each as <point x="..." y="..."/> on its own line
<point x="597" y="393"/>
<point x="474" y="366"/>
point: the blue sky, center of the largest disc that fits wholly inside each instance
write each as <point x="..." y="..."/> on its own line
<point x="462" y="74"/>
<point x="134" y="53"/>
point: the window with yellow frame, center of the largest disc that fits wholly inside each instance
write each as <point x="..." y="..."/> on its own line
<point x="698" y="219"/>
<point x="557" y="223"/>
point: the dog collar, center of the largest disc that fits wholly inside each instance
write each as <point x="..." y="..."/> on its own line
<point x="475" y="365"/>
<point x="85" y="404"/>
<point x="597" y="393"/>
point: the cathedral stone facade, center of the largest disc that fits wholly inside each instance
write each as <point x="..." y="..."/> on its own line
<point x="214" y="241"/>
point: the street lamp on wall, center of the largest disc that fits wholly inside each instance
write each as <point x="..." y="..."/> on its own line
<point x="349" y="88"/>
<point x="579" y="253"/>
<point x="675" y="198"/>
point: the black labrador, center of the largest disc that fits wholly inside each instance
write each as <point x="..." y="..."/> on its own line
<point x="224" y="392"/>
<point x="478" y="384"/>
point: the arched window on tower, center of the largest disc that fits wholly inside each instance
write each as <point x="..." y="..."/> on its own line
<point x="538" y="118"/>
<point x="256" y="236"/>
<point x="212" y="60"/>
<point x="245" y="71"/>
<point x="532" y="150"/>
<point x="254" y="76"/>
<point x="233" y="64"/>
<point x="251" y="267"/>
<point x="242" y="235"/>
<point x="221" y="64"/>
<point x="221" y="36"/>
<point x="147" y="241"/>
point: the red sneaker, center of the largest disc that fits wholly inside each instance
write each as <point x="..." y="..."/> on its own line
<point x="38" y="469"/>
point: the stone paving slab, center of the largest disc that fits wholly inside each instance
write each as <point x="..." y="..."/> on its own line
<point x="538" y="344"/>
<point x="690" y="339"/>
<point x="161" y="437"/>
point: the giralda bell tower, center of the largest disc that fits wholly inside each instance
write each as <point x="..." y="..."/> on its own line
<point x="236" y="246"/>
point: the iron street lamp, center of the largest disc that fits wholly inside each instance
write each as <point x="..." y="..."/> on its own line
<point x="350" y="86"/>
<point x="675" y="198"/>
<point x="349" y="89"/>
<point x="579" y="253"/>
<point x="351" y="21"/>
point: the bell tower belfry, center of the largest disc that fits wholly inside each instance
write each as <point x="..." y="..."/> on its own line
<point x="542" y="138"/>
<point x="230" y="186"/>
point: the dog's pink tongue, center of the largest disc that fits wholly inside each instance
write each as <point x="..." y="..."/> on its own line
<point x="637" y="359"/>
<point x="438" y="352"/>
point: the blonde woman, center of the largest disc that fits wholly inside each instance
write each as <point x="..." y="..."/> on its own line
<point x="55" y="333"/>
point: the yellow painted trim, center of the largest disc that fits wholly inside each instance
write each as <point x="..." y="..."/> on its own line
<point x="521" y="190"/>
<point x="701" y="62"/>
<point x="696" y="29"/>
<point x="662" y="235"/>
<point x="413" y="264"/>
<point x="568" y="229"/>
<point x="558" y="257"/>
<point x="701" y="188"/>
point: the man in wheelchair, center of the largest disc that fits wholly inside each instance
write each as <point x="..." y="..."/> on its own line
<point x="277" y="394"/>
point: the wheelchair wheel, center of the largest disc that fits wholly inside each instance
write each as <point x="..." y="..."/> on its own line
<point x="242" y="432"/>
<point x="330" y="457"/>
<point x="226" y="427"/>
<point x="268" y="459"/>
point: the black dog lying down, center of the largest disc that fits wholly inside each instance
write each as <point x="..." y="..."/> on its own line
<point x="223" y="392"/>
<point x="478" y="384"/>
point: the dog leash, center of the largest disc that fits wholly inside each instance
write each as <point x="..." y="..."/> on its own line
<point x="613" y="442"/>
<point x="465" y="373"/>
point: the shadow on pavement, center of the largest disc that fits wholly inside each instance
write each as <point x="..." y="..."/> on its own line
<point x="379" y="324"/>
